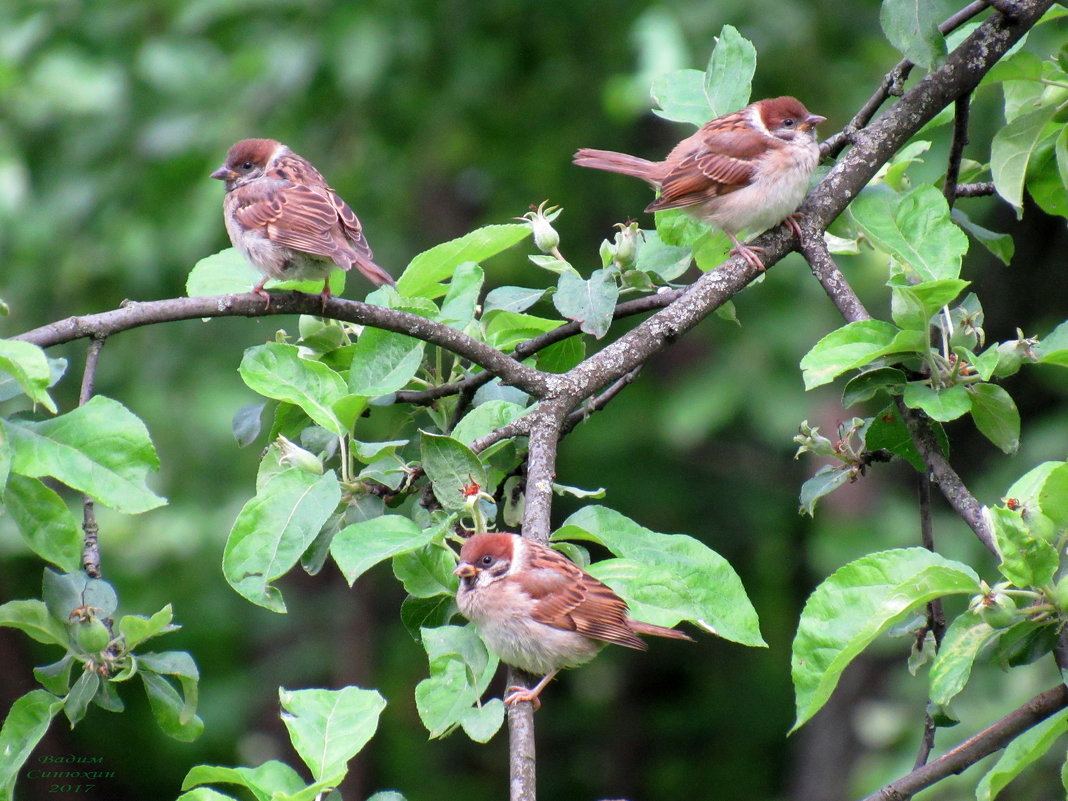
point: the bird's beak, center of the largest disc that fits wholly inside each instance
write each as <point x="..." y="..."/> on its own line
<point x="465" y="570"/>
<point x="224" y="174"/>
<point x="812" y="121"/>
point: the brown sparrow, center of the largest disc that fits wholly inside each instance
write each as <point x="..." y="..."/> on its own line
<point x="540" y="612"/>
<point x="747" y="170"/>
<point x="286" y="220"/>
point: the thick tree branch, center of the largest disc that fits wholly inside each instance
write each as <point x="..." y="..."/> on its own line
<point x="136" y="314"/>
<point x="991" y="739"/>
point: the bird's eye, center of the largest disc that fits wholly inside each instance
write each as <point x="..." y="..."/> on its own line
<point x="789" y="122"/>
<point x="248" y="165"/>
<point x="487" y="560"/>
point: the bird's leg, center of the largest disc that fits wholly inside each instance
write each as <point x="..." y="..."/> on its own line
<point x="517" y="695"/>
<point x="326" y="294"/>
<point x="263" y="293"/>
<point x="746" y="252"/>
<point x="791" y="220"/>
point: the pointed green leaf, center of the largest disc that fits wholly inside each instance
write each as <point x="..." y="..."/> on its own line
<point x="857" y="603"/>
<point x="80" y="695"/>
<point x="451" y="466"/>
<point x="511" y="298"/>
<point x="855" y="345"/>
<point x="273" y="529"/>
<point x="276" y="370"/>
<point x="913" y="305"/>
<point x="423" y="274"/>
<point x="1026" y="560"/>
<point x="32" y="618"/>
<point x="45" y="522"/>
<point x="458" y="308"/>
<point x="329" y="727"/>
<point x="667" y="578"/>
<point x="383" y="362"/>
<point x="945" y="405"/>
<point x="484" y="418"/>
<point x="229" y="273"/>
<point x="361" y="546"/>
<point x="262" y="781"/>
<point x="137" y="628"/>
<point x="1011" y="151"/>
<point x="680" y="97"/>
<point x="996" y="416"/>
<point x="26" y="723"/>
<point x="100" y="449"/>
<point x="952" y="667"/>
<point x="729" y="75"/>
<point x="460" y="670"/>
<point x="912" y="27"/>
<point x="914" y="228"/>
<point x="426" y="572"/>
<point x="169" y="708"/>
<point x="28" y="365"/>
<point x="1020" y="753"/>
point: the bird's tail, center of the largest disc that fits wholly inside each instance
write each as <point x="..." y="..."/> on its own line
<point x="658" y="631"/>
<point x="373" y="273"/>
<point x="618" y="162"/>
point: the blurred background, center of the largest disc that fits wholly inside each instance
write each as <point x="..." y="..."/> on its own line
<point x="432" y="118"/>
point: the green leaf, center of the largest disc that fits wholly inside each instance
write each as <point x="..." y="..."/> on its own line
<point x="945" y="405"/>
<point x="1012" y="149"/>
<point x="914" y="228"/>
<point x="431" y="266"/>
<point x="1043" y="489"/>
<point x="263" y="781"/>
<point x="680" y="97"/>
<point x="32" y="618"/>
<point x="857" y="603"/>
<point x="205" y="794"/>
<point x="1020" y="753"/>
<point x="180" y="665"/>
<point x="1001" y="245"/>
<point x="484" y="418"/>
<point x="912" y="27"/>
<point x="100" y="449"/>
<point x="505" y="329"/>
<point x="855" y="345"/>
<point x="458" y="308"/>
<point x="1026" y="560"/>
<point x="229" y="273"/>
<point x="426" y="572"/>
<point x="246" y="423"/>
<point x="55" y="677"/>
<point x="28" y="365"/>
<point x="26" y="723"/>
<point x="511" y="298"/>
<point x="273" y="529"/>
<point x="45" y="522"/>
<point x="460" y="670"/>
<point x="1053" y="349"/>
<point x="866" y="385"/>
<point x="329" y="727"/>
<point x="561" y="356"/>
<point x="888" y="430"/>
<point x="383" y="362"/>
<point x="432" y="612"/>
<point x="480" y="723"/>
<point x="361" y="546"/>
<point x="952" y="666"/>
<point x="169" y="708"/>
<point x="729" y="75"/>
<point x="913" y="305"/>
<point x="80" y="695"/>
<point x="276" y="370"/>
<point x="65" y="592"/>
<point x="996" y="416"/>
<point x="590" y="303"/>
<point x="135" y="629"/>
<point x="826" y="480"/>
<point x="450" y="465"/>
<point x="666" y="578"/>
<point x="661" y="259"/>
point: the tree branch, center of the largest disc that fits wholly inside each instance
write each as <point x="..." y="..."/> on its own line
<point x="986" y="742"/>
<point x="134" y="314"/>
<point x="90" y="529"/>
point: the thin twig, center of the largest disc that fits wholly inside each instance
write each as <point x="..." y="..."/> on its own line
<point x="936" y="617"/>
<point x="962" y="108"/>
<point x="90" y="529"/>
<point x="989" y="740"/>
<point x="599" y="402"/>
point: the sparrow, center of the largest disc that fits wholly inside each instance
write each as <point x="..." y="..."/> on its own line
<point x="287" y="221"/>
<point x="539" y="611"/>
<point x="747" y="170"/>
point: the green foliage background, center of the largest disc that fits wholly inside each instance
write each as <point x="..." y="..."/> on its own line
<point x="432" y="118"/>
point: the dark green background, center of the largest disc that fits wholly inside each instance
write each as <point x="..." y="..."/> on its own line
<point x="432" y="118"/>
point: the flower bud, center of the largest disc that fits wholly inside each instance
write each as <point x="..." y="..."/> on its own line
<point x="626" y="245"/>
<point x="540" y="220"/>
<point x="297" y="457"/>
